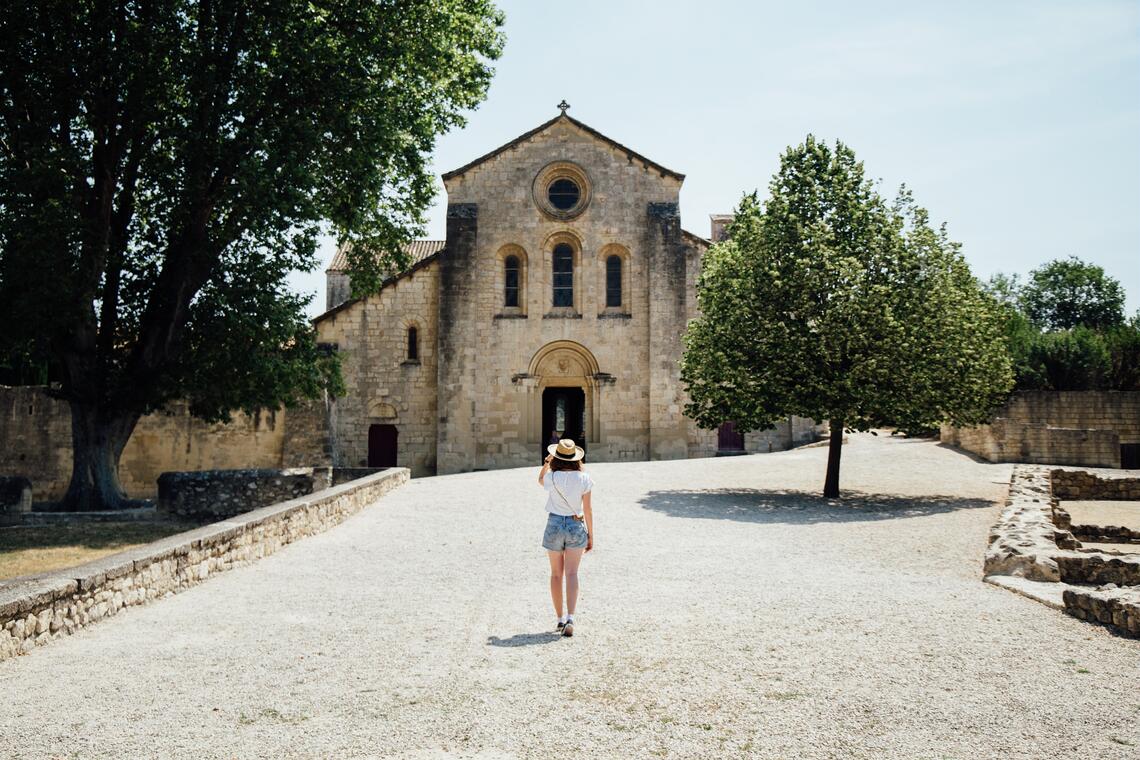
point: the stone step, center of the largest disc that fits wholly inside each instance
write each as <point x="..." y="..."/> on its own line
<point x="1099" y="569"/>
<point x="1114" y="606"/>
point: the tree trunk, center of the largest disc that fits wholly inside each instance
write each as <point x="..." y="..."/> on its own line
<point x="834" y="452"/>
<point x="97" y="440"/>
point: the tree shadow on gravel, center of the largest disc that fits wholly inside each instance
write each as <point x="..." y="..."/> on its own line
<point x="752" y="505"/>
<point x="524" y="639"/>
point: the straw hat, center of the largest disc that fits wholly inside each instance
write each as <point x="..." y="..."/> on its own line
<point x="566" y="450"/>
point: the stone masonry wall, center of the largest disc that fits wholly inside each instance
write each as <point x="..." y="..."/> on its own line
<point x="1110" y="605"/>
<point x="384" y="386"/>
<point x="36" y="431"/>
<point x="1083" y="428"/>
<point x="34" y="611"/>
<point x="211" y="495"/>
<point x="1081" y="410"/>
<point x="1081" y="485"/>
<point x="493" y="407"/>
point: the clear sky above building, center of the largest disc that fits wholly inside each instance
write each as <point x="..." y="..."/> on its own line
<point x="1017" y="123"/>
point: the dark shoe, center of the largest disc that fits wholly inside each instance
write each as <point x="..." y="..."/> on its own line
<point x="561" y="625"/>
<point x="568" y="629"/>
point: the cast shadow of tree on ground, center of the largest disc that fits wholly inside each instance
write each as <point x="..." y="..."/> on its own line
<point x="799" y="507"/>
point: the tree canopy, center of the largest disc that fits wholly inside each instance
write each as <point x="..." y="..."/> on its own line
<point x="165" y="163"/>
<point x="828" y="303"/>
<point x="1065" y="329"/>
<point x="1065" y="293"/>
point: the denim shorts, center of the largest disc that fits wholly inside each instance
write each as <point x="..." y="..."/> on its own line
<point x="563" y="532"/>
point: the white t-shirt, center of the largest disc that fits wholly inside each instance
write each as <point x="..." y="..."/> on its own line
<point x="564" y="491"/>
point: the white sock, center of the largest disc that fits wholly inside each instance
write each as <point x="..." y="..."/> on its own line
<point x="563" y="619"/>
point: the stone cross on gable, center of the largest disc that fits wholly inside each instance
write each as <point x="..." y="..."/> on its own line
<point x="563" y="105"/>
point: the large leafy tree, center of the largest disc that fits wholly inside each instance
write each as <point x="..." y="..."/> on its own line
<point x="831" y="304"/>
<point x="165" y="163"/>
<point x="1065" y="293"/>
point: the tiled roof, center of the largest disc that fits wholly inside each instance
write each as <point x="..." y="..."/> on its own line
<point x="417" y="251"/>
<point x="694" y="237"/>
<point x="631" y="154"/>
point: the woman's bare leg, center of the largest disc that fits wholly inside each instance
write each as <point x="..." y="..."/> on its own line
<point x="572" y="558"/>
<point x="556" y="580"/>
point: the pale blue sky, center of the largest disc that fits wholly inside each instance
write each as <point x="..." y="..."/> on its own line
<point x="1018" y="123"/>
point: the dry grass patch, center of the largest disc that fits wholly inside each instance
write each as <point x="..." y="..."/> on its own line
<point x="31" y="549"/>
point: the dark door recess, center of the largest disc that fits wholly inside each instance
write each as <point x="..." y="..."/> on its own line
<point x="382" y="445"/>
<point x="564" y="410"/>
<point x="728" y="440"/>
<point x="1130" y="456"/>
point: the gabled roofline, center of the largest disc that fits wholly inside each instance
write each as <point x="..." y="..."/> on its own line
<point x="390" y="281"/>
<point x="630" y="153"/>
<point x="696" y="238"/>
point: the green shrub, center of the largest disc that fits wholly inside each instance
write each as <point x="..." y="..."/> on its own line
<point x="1123" y="344"/>
<point x="1072" y="360"/>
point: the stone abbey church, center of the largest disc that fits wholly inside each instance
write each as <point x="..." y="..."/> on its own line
<point x="556" y="305"/>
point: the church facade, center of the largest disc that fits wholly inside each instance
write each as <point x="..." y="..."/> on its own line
<point x="556" y="306"/>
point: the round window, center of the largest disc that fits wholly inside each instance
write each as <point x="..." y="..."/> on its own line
<point x="563" y="194"/>
<point x="561" y="190"/>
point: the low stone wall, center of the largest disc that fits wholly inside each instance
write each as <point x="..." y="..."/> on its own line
<point x="1031" y="540"/>
<point x="1081" y="428"/>
<point x="1024" y="540"/>
<point x="217" y="494"/>
<point x="1097" y="569"/>
<point x="36" y="610"/>
<point x="1081" y="485"/>
<point x="1012" y="441"/>
<point x="210" y="495"/>
<point x="1111" y="605"/>
<point x="345" y="474"/>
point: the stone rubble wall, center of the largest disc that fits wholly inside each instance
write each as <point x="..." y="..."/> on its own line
<point x="36" y="431"/>
<point x="211" y="495"/>
<point x="1109" y="604"/>
<point x="1082" y="428"/>
<point x="1097" y="569"/>
<point x="1082" y="485"/>
<point x="36" y="610"/>
<point x="1023" y="542"/>
<point x="1031" y="540"/>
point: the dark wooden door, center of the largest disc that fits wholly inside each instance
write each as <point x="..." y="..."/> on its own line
<point x="382" y="445"/>
<point x="728" y="439"/>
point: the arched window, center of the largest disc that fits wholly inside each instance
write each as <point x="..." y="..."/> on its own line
<point x="563" y="275"/>
<point x="413" y="344"/>
<point x="613" y="281"/>
<point x="511" y="290"/>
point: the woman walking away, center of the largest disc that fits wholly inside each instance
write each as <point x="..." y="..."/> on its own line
<point x="569" y="525"/>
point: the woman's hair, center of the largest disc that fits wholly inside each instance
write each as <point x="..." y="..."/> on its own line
<point x="557" y="465"/>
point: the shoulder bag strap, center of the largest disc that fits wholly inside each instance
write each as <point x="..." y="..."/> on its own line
<point x="561" y="495"/>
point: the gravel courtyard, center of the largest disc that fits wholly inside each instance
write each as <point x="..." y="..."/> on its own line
<point x="727" y="612"/>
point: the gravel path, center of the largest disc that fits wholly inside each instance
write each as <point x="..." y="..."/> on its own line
<point x="727" y="612"/>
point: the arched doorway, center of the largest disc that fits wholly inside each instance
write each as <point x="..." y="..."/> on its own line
<point x="564" y="395"/>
